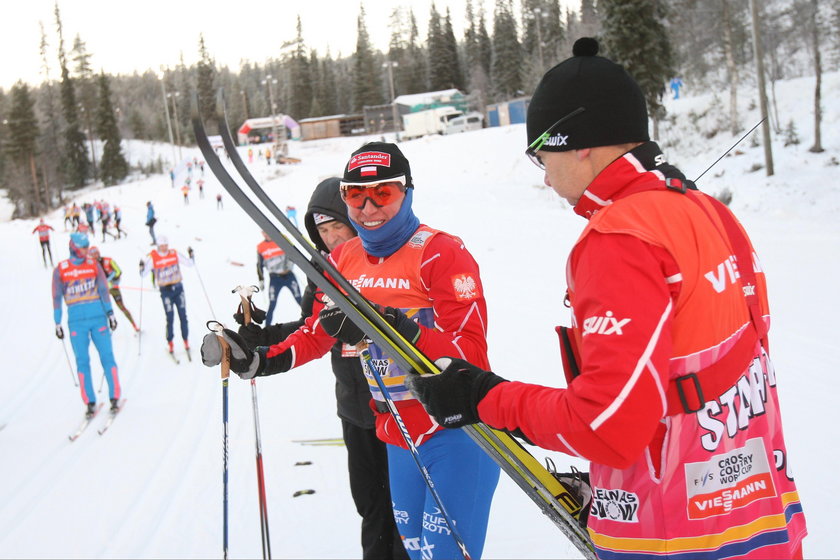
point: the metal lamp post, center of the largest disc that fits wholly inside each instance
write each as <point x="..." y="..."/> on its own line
<point x="391" y="64"/>
<point x="168" y="120"/>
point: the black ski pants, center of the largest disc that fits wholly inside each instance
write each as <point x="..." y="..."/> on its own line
<point x="367" y="463"/>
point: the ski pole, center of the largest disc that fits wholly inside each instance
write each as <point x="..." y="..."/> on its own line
<point x="140" y="324"/>
<point x="367" y="363"/>
<point x="69" y="365"/>
<point x="245" y="293"/>
<point x="200" y="281"/>
<point x="217" y="328"/>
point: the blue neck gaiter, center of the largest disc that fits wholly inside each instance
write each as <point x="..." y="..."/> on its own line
<point x="384" y="241"/>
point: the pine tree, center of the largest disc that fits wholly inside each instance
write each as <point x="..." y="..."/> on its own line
<point x="367" y="84"/>
<point x="438" y="56"/>
<point x="329" y="97"/>
<point x="114" y="166"/>
<point x="301" y="91"/>
<point x="416" y="70"/>
<point x="507" y="52"/>
<point x="206" y="80"/>
<point x="76" y="164"/>
<point x="86" y="94"/>
<point x="485" y="44"/>
<point x="20" y="149"/>
<point x="635" y="36"/>
<point x="50" y="147"/>
<point x="450" y="45"/>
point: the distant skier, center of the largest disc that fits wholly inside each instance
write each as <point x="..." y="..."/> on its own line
<point x="76" y="214"/>
<point x="117" y="221"/>
<point x="676" y="84"/>
<point x="105" y="218"/>
<point x="81" y="283"/>
<point x="185" y="190"/>
<point x="43" y="230"/>
<point x="68" y="216"/>
<point x="90" y="214"/>
<point x="113" y="274"/>
<point x="200" y="184"/>
<point x="172" y="177"/>
<point x="280" y="275"/>
<point x="219" y="205"/>
<point x="151" y="220"/>
<point x="166" y="266"/>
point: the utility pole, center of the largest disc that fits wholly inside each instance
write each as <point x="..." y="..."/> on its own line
<point x="538" y="14"/>
<point x="168" y="121"/>
<point x="175" y="95"/>
<point x="758" y="53"/>
<point x="270" y="81"/>
<point x="391" y="64"/>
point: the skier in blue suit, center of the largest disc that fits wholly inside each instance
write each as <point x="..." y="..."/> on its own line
<point x="81" y="283"/>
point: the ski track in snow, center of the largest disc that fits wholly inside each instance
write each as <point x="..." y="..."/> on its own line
<point x="152" y="485"/>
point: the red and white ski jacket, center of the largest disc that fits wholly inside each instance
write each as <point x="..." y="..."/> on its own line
<point x="655" y="295"/>
<point x="435" y="281"/>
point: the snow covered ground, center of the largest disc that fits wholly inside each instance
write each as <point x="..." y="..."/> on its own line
<point x="152" y="485"/>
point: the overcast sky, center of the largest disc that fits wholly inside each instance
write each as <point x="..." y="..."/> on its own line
<point x="125" y="36"/>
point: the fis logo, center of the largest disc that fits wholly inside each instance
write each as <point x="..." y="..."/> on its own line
<point x="604" y="325"/>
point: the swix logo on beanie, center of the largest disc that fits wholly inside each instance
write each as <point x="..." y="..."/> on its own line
<point x="369" y="161"/>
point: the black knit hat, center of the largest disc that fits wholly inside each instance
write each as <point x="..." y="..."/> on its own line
<point x="614" y="110"/>
<point x="325" y="201"/>
<point x="376" y="162"/>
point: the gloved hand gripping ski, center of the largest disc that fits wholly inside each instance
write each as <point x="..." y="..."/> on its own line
<point x="452" y="396"/>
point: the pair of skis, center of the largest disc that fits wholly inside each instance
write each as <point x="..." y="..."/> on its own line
<point x="553" y="499"/>
<point x="87" y="421"/>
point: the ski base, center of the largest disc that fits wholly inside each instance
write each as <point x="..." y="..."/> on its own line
<point x="111" y="416"/>
<point x="85" y="423"/>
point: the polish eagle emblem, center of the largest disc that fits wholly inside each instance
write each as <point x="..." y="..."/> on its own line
<point x="465" y="287"/>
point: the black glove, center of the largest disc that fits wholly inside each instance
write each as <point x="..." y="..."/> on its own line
<point x="142" y="266"/>
<point x="257" y="314"/>
<point x="59" y="332"/>
<point x="452" y="397"/>
<point x="112" y="321"/>
<point x="253" y="335"/>
<point x="336" y="324"/>
<point x="246" y="363"/>
<point x="405" y="326"/>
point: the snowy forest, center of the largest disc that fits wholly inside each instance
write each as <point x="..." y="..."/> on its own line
<point x="66" y="132"/>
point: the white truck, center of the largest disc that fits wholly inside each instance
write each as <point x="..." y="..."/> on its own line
<point x="464" y="123"/>
<point x="430" y="121"/>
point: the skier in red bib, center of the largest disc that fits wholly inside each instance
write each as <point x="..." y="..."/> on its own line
<point x="431" y="287"/>
<point x="44" y="230"/>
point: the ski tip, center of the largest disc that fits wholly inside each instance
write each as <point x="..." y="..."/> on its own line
<point x="303" y="463"/>
<point x="303" y="492"/>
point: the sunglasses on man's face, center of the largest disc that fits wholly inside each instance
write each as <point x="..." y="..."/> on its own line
<point x="380" y="194"/>
<point x="536" y="145"/>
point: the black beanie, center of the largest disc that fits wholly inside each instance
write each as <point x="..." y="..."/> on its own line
<point x="614" y="106"/>
<point x="326" y="201"/>
<point x="376" y="162"/>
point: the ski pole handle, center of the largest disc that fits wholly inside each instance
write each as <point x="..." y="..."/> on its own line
<point x="245" y="293"/>
<point x="217" y="328"/>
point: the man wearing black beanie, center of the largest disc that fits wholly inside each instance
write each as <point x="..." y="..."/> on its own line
<point x="671" y="393"/>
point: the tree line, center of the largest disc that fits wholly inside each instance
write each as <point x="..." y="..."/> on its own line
<point x="66" y="132"/>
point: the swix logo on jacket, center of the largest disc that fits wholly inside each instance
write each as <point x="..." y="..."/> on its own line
<point x="167" y="270"/>
<point x="79" y="281"/>
<point x="604" y="325"/>
<point x="273" y="258"/>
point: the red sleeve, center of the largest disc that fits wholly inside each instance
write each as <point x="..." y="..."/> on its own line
<point x="451" y="276"/>
<point x="611" y="411"/>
